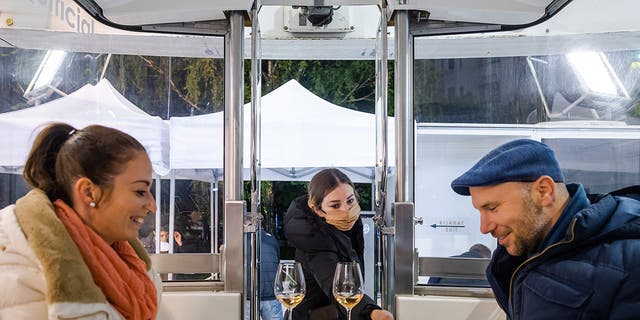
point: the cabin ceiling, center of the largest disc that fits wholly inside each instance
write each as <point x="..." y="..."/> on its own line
<point x="148" y="12"/>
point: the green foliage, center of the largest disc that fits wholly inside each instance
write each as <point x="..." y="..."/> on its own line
<point x="636" y="111"/>
<point x="350" y="84"/>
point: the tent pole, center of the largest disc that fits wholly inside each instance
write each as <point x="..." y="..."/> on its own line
<point x="172" y="208"/>
<point x="213" y="213"/>
<point x="172" y="213"/>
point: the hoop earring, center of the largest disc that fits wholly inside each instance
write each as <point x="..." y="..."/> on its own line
<point x="92" y="204"/>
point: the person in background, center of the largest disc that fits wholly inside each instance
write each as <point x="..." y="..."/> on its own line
<point x="325" y="228"/>
<point x="477" y="251"/>
<point x="559" y="256"/>
<point x="270" y="308"/>
<point x="164" y="240"/>
<point x="149" y="242"/>
<point x="69" y="248"/>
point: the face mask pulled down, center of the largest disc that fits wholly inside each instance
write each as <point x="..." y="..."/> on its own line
<point x="343" y="220"/>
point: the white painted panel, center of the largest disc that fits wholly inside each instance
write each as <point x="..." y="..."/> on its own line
<point x="494" y="11"/>
<point x="140" y="12"/>
<point x="447" y="308"/>
<point x="189" y="305"/>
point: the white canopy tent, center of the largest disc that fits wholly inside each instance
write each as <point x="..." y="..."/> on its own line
<point x="300" y="133"/>
<point x="92" y="104"/>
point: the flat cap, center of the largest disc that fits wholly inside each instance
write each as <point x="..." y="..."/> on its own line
<point x="521" y="160"/>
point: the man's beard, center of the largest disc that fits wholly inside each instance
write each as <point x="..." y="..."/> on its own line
<point x="530" y="229"/>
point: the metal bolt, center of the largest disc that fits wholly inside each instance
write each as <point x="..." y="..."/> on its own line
<point x="9" y="22"/>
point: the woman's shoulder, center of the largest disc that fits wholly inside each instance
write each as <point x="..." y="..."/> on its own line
<point x="303" y="228"/>
<point x="12" y="238"/>
<point x="298" y="210"/>
<point x="22" y="278"/>
<point x="299" y="204"/>
<point x="299" y="214"/>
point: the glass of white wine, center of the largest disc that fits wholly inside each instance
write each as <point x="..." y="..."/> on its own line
<point x="347" y="285"/>
<point x="289" y="286"/>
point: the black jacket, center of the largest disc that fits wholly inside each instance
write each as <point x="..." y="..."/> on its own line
<point x="585" y="268"/>
<point x="319" y="248"/>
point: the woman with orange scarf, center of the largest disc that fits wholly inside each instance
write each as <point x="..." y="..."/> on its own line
<point x="69" y="248"/>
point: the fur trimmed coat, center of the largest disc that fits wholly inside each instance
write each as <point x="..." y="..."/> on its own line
<point x="41" y="269"/>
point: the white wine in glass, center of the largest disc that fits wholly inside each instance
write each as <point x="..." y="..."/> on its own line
<point x="347" y="285"/>
<point x="289" y="286"/>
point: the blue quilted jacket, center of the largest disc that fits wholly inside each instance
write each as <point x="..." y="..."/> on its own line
<point x="588" y="266"/>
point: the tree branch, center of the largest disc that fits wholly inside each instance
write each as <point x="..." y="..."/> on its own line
<point x="356" y="87"/>
<point x="155" y="67"/>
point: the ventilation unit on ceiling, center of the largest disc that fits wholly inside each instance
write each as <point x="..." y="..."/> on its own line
<point x="326" y="20"/>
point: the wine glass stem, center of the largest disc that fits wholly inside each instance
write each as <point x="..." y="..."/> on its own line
<point x="290" y="313"/>
<point x="348" y="314"/>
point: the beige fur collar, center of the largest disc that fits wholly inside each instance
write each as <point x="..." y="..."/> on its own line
<point x="67" y="276"/>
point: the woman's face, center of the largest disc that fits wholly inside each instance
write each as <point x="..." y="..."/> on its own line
<point x="340" y="199"/>
<point x="120" y="215"/>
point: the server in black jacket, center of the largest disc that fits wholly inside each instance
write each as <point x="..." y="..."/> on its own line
<point x="325" y="228"/>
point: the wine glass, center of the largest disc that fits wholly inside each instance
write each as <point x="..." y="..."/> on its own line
<point x="289" y="286"/>
<point x="347" y="285"/>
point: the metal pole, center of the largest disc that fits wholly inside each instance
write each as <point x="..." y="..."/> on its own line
<point x="158" y="210"/>
<point x="233" y="191"/>
<point x="256" y="93"/>
<point x="403" y="279"/>
<point x="169" y="90"/>
<point x="213" y="214"/>
<point x="172" y="208"/>
<point x="383" y="220"/>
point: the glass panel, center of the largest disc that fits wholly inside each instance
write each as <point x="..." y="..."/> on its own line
<point x="584" y="105"/>
<point x="527" y="90"/>
<point x="601" y="165"/>
<point x="149" y="85"/>
<point x="451" y="224"/>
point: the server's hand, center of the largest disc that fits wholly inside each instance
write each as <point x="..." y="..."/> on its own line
<point x="381" y="315"/>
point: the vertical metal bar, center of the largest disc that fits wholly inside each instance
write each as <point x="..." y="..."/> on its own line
<point x="216" y="218"/>
<point x="233" y="148"/>
<point x="172" y="208"/>
<point x="213" y="214"/>
<point x="403" y="281"/>
<point x="234" y="99"/>
<point x="158" y="211"/>
<point x="169" y="90"/>
<point x="256" y="93"/>
<point x="382" y="218"/>
<point x="404" y="107"/>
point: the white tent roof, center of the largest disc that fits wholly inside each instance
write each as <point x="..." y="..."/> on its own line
<point x="299" y="130"/>
<point x="99" y="104"/>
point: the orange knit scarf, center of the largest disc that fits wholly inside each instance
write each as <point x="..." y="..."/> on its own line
<point x="117" y="269"/>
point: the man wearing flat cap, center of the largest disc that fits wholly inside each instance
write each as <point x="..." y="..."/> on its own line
<point x="559" y="256"/>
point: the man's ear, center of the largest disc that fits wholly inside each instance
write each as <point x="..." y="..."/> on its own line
<point x="543" y="190"/>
